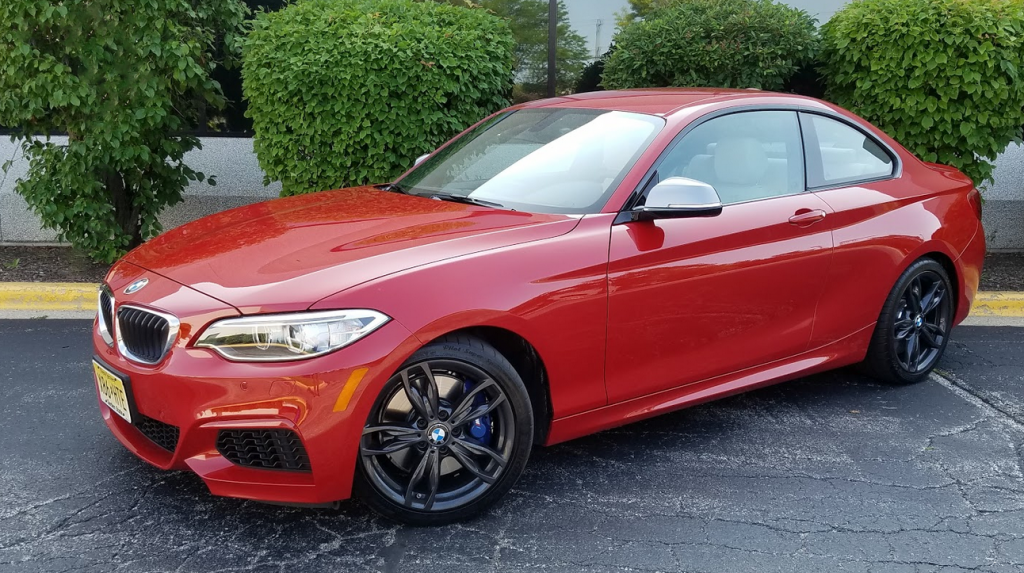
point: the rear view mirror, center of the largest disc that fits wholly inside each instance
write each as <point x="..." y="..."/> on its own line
<point x="679" y="197"/>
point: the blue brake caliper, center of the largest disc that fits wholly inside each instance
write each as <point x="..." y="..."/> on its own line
<point x="480" y="428"/>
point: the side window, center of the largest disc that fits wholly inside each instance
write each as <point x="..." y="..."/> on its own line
<point x="744" y="156"/>
<point x="838" y="153"/>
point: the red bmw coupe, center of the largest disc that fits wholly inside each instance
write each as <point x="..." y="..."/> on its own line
<point x="560" y="268"/>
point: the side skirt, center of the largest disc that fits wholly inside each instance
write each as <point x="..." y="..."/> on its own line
<point x="849" y="350"/>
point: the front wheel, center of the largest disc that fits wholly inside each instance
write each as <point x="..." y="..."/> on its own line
<point x="448" y="435"/>
<point x="913" y="329"/>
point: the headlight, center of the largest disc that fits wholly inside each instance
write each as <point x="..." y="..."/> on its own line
<point x="277" y="337"/>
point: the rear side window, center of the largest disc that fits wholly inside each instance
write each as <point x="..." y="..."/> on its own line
<point x="837" y="153"/>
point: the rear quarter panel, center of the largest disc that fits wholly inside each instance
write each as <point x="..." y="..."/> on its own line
<point x="880" y="228"/>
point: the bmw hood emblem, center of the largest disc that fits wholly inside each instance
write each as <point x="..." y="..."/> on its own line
<point x="136" y="286"/>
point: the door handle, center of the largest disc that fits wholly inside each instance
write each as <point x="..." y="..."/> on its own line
<point x="806" y="217"/>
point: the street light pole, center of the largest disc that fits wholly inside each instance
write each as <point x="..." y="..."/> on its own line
<point x="552" y="45"/>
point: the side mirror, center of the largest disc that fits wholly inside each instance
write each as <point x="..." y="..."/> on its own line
<point x="678" y="197"/>
<point x="421" y="159"/>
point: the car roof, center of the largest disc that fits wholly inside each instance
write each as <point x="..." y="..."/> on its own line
<point x="662" y="101"/>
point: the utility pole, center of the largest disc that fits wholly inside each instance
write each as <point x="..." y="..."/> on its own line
<point x="597" y="41"/>
<point x="552" y="45"/>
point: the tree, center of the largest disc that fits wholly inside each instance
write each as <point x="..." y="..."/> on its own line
<point x="529" y="22"/>
<point x="638" y="9"/>
<point x="123" y="80"/>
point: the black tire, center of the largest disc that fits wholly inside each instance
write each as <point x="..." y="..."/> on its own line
<point x="404" y="455"/>
<point x="913" y="328"/>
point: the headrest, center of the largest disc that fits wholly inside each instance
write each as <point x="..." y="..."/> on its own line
<point x="740" y="161"/>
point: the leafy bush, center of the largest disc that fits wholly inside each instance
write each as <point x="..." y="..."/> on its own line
<point x="712" y="43"/>
<point x="350" y="92"/>
<point x="122" y="79"/>
<point x="943" y="77"/>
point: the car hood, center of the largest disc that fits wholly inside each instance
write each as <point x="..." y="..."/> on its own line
<point x="287" y="254"/>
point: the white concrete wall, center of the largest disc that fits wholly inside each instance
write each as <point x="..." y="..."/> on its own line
<point x="231" y="160"/>
<point x="1003" y="211"/>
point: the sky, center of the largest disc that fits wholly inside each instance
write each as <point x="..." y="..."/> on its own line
<point x="584" y="16"/>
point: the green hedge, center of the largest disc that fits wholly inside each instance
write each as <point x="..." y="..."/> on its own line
<point x="716" y="43"/>
<point x="123" y="80"/>
<point x="350" y="92"/>
<point x="942" y="77"/>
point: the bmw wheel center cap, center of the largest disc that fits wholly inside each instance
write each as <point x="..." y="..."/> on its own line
<point x="437" y="436"/>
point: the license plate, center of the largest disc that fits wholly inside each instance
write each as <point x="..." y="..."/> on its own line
<point x="112" y="392"/>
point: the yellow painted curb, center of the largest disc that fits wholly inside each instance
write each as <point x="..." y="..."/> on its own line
<point x="82" y="296"/>
<point x="48" y="296"/>
<point x="1005" y="304"/>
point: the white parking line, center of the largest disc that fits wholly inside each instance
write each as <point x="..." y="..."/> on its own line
<point x="975" y="401"/>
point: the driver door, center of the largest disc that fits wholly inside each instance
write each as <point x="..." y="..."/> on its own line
<point x="695" y="298"/>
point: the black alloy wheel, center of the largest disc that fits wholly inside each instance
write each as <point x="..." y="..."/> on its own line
<point x="922" y="322"/>
<point x="913" y="329"/>
<point x="447" y="436"/>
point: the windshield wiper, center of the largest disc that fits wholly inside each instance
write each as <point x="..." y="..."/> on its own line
<point x="394" y="188"/>
<point x="466" y="200"/>
<point x="397" y="188"/>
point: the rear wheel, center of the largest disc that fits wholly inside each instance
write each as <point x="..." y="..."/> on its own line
<point x="913" y="329"/>
<point x="449" y="434"/>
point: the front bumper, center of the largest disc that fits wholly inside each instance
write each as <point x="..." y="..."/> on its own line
<point x="324" y="401"/>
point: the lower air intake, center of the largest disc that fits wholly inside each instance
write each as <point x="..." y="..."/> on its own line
<point x="161" y="434"/>
<point x="266" y="449"/>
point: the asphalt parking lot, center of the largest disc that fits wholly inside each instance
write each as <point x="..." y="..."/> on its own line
<point x="827" y="473"/>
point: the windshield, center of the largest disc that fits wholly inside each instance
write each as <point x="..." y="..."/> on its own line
<point x="540" y="160"/>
